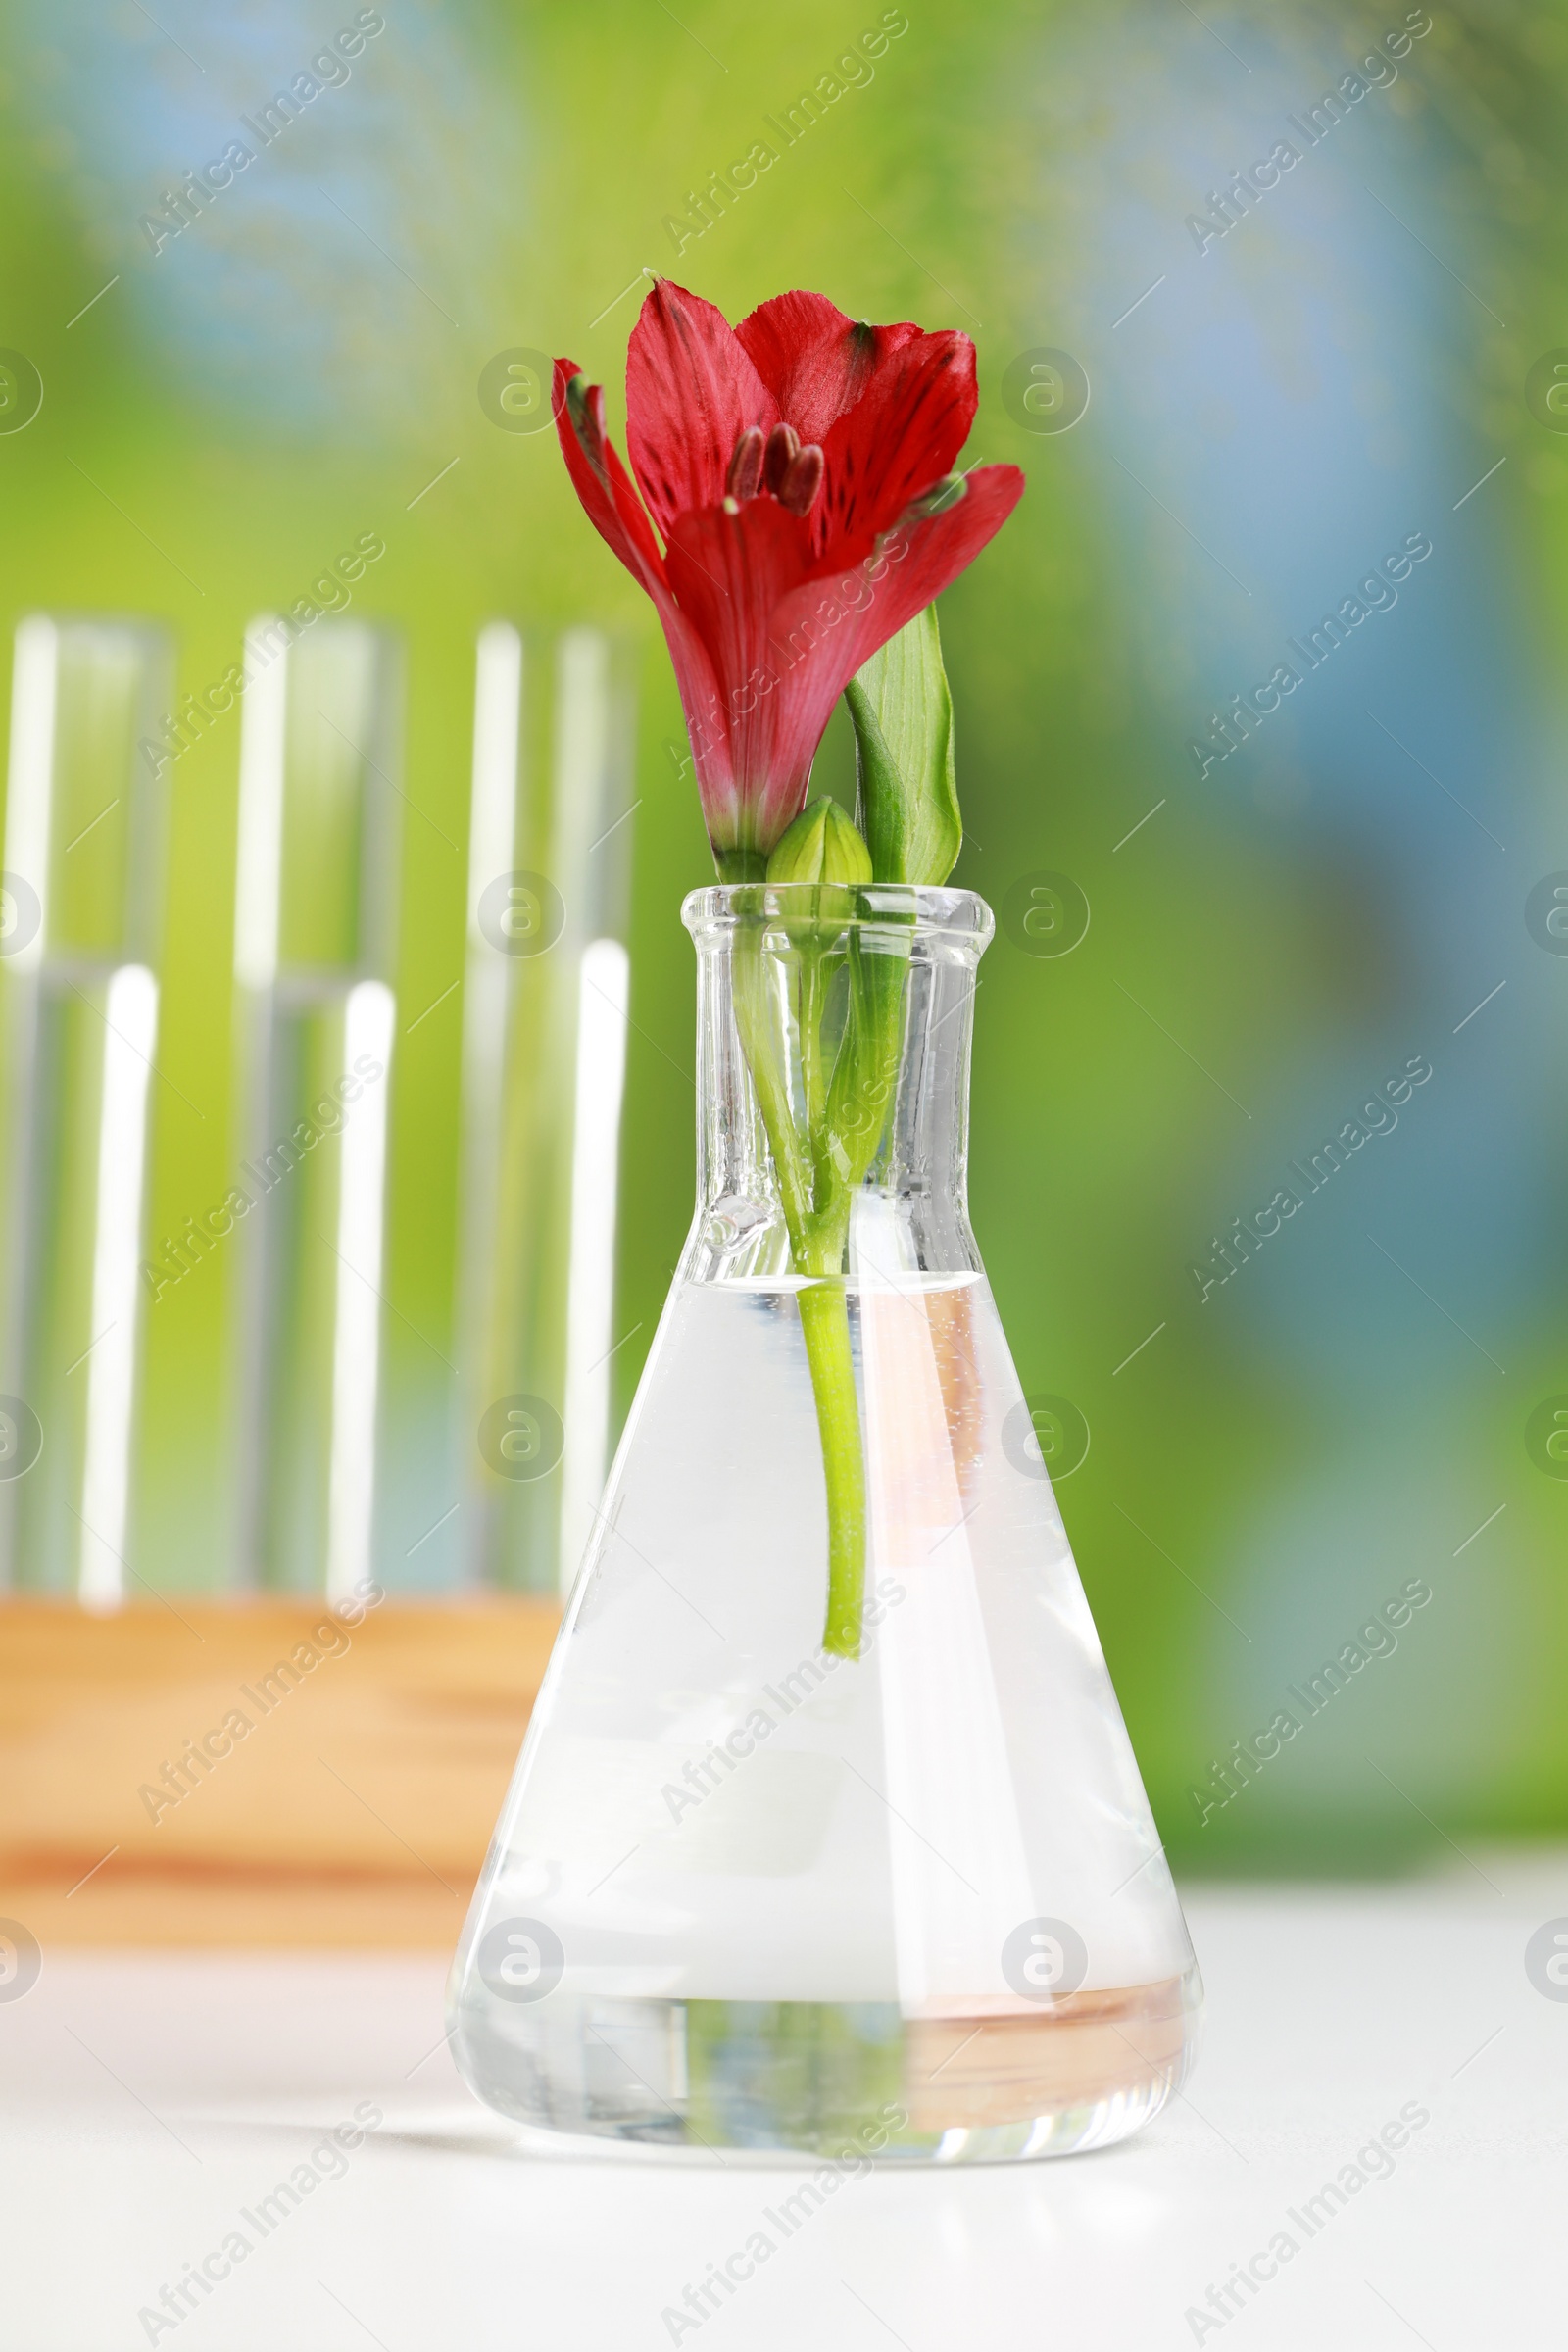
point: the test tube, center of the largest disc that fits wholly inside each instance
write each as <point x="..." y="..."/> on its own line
<point x="79" y="921"/>
<point x="313" y="940"/>
<point x="544" y="1057"/>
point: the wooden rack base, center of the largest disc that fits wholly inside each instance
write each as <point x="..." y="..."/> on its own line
<point x="254" y="1773"/>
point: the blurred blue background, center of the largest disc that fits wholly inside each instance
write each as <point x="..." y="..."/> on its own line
<point x="1273" y="411"/>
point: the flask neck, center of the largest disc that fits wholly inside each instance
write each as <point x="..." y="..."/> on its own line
<point x="833" y="1041"/>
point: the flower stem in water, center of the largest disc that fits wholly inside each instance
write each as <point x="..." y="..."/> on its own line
<point x="825" y="1323"/>
<point x="821" y="1158"/>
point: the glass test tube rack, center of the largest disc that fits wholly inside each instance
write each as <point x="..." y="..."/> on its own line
<point x="80" y="922"/>
<point x="545" y="1010"/>
<point x="315" y="918"/>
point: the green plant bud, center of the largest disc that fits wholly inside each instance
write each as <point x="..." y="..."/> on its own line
<point x="822" y="846"/>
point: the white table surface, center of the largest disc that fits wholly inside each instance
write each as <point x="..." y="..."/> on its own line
<point x="149" y="2097"/>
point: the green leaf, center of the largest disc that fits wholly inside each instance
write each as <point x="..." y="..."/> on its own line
<point x="909" y="795"/>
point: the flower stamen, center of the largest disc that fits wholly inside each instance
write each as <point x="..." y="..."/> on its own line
<point x="782" y="444"/>
<point x="803" y="479"/>
<point x="744" y="476"/>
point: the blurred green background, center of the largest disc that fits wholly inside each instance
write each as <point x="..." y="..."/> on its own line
<point x="1281" y="405"/>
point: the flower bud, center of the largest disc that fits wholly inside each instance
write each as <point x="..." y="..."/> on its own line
<point x="822" y="846"/>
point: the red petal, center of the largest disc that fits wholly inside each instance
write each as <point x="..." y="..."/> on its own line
<point x="600" y="480"/>
<point x="691" y="392"/>
<point x="939" y="549"/>
<point x="816" y="362"/>
<point x="612" y="505"/>
<point x="781" y="648"/>
<point x="900" y="438"/>
<point x="825" y="629"/>
<point x="731" y="573"/>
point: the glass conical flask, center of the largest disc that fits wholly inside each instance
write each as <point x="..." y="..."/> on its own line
<point x="748" y="1893"/>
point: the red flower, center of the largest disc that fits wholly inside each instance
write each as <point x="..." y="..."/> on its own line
<point x="798" y="469"/>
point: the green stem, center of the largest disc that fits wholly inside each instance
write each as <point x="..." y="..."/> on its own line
<point x="818" y="1173"/>
<point x="825" y="1322"/>
<point x="812" y="993"/>
<point x="739" y="865"/>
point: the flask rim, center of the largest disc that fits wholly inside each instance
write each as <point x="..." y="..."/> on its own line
<point x="922" y="913"/>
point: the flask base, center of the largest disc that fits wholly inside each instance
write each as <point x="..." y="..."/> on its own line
<point x="979" y="2081"/>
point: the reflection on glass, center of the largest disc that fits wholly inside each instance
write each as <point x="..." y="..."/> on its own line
<point x="544" y="1052"/>
<point x="78" y="931"/>
<point x="314" y="922"/>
